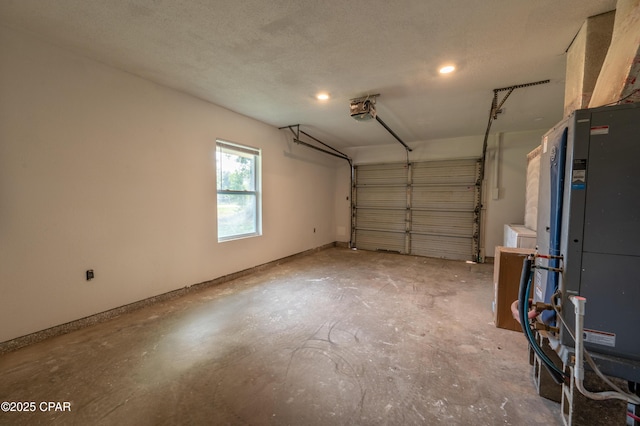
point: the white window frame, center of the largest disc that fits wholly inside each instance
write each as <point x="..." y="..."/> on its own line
<point x="257" y="185"/>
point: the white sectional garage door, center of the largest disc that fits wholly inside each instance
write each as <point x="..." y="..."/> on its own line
<point x="425" y="208"/>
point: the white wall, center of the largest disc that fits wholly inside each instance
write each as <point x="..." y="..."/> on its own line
<point x="512" y="167"/>
<point x="102" y="170"/>
<point x="509" y="207"/>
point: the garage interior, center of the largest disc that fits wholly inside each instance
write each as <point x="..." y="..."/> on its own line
<point x="365" y="291"/>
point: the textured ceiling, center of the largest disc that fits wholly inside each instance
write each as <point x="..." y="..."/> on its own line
<point x="268" y="59"/>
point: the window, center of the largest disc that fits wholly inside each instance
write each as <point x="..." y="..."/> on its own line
<point x="238" y="185"/>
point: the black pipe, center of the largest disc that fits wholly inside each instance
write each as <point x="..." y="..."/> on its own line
<point x="379" y="120"/>
<point x="296" y="136"/>
<point x="523" y="313"/>
<point x="344" y="157"/>
<point x="322" y="143"/>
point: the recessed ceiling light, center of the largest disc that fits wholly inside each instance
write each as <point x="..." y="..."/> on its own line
<point x="448" y="69"/>
<point x="322" y="96"/>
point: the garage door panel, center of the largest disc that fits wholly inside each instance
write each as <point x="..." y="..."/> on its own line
<point x="425" y="208"/>
<point x="459" y="224"/>
<point x="456" y="172"/>
<point x="444" y="198"/>
<point x="382" y="197"/>
<point x="454" y="248"/>
<point x="385" y="220"/>
<point x="382" y="174"/>
<point x="379" y="240"/>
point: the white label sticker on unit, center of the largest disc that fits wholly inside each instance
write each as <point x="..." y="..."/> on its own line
<point x="579" y="176"/>
<point x="600" y="338"/>
<point x="539" y="295"/>
<point x="600" y="130"/>
<point x="538" y="289"/>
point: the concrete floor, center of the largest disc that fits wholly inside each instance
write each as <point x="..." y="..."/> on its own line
<point x="339" y="337"/>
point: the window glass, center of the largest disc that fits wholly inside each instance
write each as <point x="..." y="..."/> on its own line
<point x="237" y="170"/>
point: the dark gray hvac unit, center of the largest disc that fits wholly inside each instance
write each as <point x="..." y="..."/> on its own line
<point x="589" y="222"/>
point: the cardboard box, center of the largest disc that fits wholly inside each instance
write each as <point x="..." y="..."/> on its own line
<point x="507" y="269"/>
